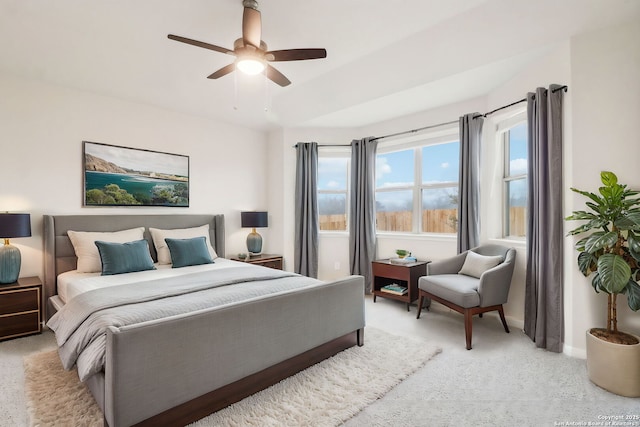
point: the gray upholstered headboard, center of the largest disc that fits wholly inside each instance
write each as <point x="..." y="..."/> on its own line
<point x="59" y="255"/>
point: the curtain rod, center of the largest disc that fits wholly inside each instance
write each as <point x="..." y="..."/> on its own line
<point x="414" y="130"/>
<point x="565" y="88"/>
<point x="324" y="145"/>
<point x="515" y="103"/>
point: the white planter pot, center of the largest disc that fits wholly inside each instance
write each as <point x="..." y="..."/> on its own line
<point x="614" y="367"/>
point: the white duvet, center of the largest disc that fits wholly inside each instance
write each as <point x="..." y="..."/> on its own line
<point x="73" y="283"/>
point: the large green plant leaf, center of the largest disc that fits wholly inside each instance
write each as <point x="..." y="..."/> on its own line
<point x="614" y="273"/>
<point x="633" y="295"/>
<point x="596" y="283"/>
<point x="634" y="245"/>
<point x="613" y="195"/>
<point x="586" y="263"/>
<point x="600" y="240"/>
<point x="596" y="223"/>
<point x="608" y="178"/>
<point x="628" y="220"/>
<point x="581" y="243"/>
<point x="581" y="215"/>
<point x="592" y="196"/>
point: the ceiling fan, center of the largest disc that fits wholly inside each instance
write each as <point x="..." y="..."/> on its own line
<point x="251" y="52"/>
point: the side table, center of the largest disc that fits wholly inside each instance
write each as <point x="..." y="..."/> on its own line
<point x="406" y="275"/>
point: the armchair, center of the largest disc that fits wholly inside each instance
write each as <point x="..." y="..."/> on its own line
<point x="473" y="282"/>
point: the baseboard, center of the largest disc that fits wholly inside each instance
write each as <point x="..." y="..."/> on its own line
<point x="579" y="353"/>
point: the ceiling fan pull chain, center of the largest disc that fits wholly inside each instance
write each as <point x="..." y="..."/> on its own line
<point x="267" y="94"/>
<point x="235" y="91"/>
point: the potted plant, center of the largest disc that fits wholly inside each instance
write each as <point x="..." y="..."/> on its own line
<point x="610" y="254"/>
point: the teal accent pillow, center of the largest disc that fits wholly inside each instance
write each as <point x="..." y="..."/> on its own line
<point x="118" y="258"/>
<point x="186" y="252"/>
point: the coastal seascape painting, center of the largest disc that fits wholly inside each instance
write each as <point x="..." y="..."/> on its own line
<point x="122" y="176"/>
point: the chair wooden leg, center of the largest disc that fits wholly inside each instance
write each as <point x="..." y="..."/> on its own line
<point x="504" y="322"/>
<point x="468" y="325"/>
<point x="420" y="301"/>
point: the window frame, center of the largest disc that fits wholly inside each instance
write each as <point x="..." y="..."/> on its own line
<point x="337" y="152"/>
<point x="445" y="135"/>
<point x="502" y="129"/>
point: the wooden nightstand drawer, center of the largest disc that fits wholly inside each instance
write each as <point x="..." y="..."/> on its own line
<point x="265" y="260"/>
<point x="277" y="264"/>
<point x="20" y="324"/>
<point x="21" y="308"/>
<point x="19" y="300"/>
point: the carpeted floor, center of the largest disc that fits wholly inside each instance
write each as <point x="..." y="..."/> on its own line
<point x="325" y="394"/>
<point x="504" y="381"/>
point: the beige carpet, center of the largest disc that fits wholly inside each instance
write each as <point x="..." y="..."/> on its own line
<point x="325" y="394"/>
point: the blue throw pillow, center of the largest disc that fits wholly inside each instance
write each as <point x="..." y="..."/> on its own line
<point x="118" y="258"/>
<point x="186" y="252"/>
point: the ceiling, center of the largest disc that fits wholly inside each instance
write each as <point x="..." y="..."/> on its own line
<point x="385" y="58"/>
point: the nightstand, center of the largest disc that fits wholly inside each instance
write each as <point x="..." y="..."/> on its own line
<point x="21" y="308"/>
<point x="406" y="275"/>
<point x="265" y="260"/>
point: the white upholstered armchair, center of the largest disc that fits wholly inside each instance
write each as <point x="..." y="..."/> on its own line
<point x="473" y="282"/>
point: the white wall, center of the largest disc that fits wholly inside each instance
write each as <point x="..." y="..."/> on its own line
<point x="41" y="132"/>
<point x="605" y="87"/>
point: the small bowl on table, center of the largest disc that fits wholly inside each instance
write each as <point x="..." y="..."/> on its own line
<point x="402" y="253"/>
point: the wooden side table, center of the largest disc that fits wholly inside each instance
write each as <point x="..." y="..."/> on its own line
<point x="406" y="275"/>
<point x="21" y="308"/>
<point x="265" y="260"/>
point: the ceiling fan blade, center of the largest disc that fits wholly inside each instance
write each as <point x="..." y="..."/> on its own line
<point x="251" y="26"/>
<point x="296" y="54"/>
<point x="276" y="76"/>
<point x="201" y="44"/>
<point x="222" y="71"/>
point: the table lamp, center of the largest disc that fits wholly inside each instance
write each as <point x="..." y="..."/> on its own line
<point x="12" y="225"/>
<point x="254" y="220"/>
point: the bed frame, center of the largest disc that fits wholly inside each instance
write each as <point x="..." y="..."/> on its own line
<point x="176" y="370"/>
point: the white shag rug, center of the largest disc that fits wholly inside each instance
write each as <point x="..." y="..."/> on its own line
<point x="326" y="394"/>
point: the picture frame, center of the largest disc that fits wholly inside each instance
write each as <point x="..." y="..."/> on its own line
<point x="124" y="176"/>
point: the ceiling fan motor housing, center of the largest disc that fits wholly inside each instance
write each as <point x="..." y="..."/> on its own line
<point x="252" y="4"/>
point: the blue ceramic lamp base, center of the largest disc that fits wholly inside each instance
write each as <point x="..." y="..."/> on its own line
<point x="254" y="243"/>
<point x="9" y="263"/>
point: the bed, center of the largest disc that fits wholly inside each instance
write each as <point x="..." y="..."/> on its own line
<point x="177" y="369"/>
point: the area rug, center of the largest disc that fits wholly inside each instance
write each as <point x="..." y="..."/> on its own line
<point x="326" y="394"/>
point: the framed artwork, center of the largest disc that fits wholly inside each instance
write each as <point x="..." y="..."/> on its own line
<point x="122" y="176"/>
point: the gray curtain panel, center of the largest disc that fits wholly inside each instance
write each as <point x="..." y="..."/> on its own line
<point x="469" y="185"/>
<point x="362" y="212"/>
<point x="543" y="316"/>
<point x="306" y="205"/>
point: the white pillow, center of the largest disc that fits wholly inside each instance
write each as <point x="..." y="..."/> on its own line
<point x="158" y="235"/>
<point x="476" y="264"/>
<point x="87" y="252"/>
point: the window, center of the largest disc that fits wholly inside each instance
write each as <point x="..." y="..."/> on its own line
<point x="395" y="180"/>
<point x="333" y="182"/>
<point x="514" y="140"/>
<point x="440" y="173"/>
<point x="417" y="187"/>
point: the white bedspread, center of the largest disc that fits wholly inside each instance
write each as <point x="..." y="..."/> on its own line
<point x="73" y="283"/>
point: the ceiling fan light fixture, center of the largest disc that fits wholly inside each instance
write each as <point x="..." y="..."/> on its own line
<point x="250" y="66"/>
